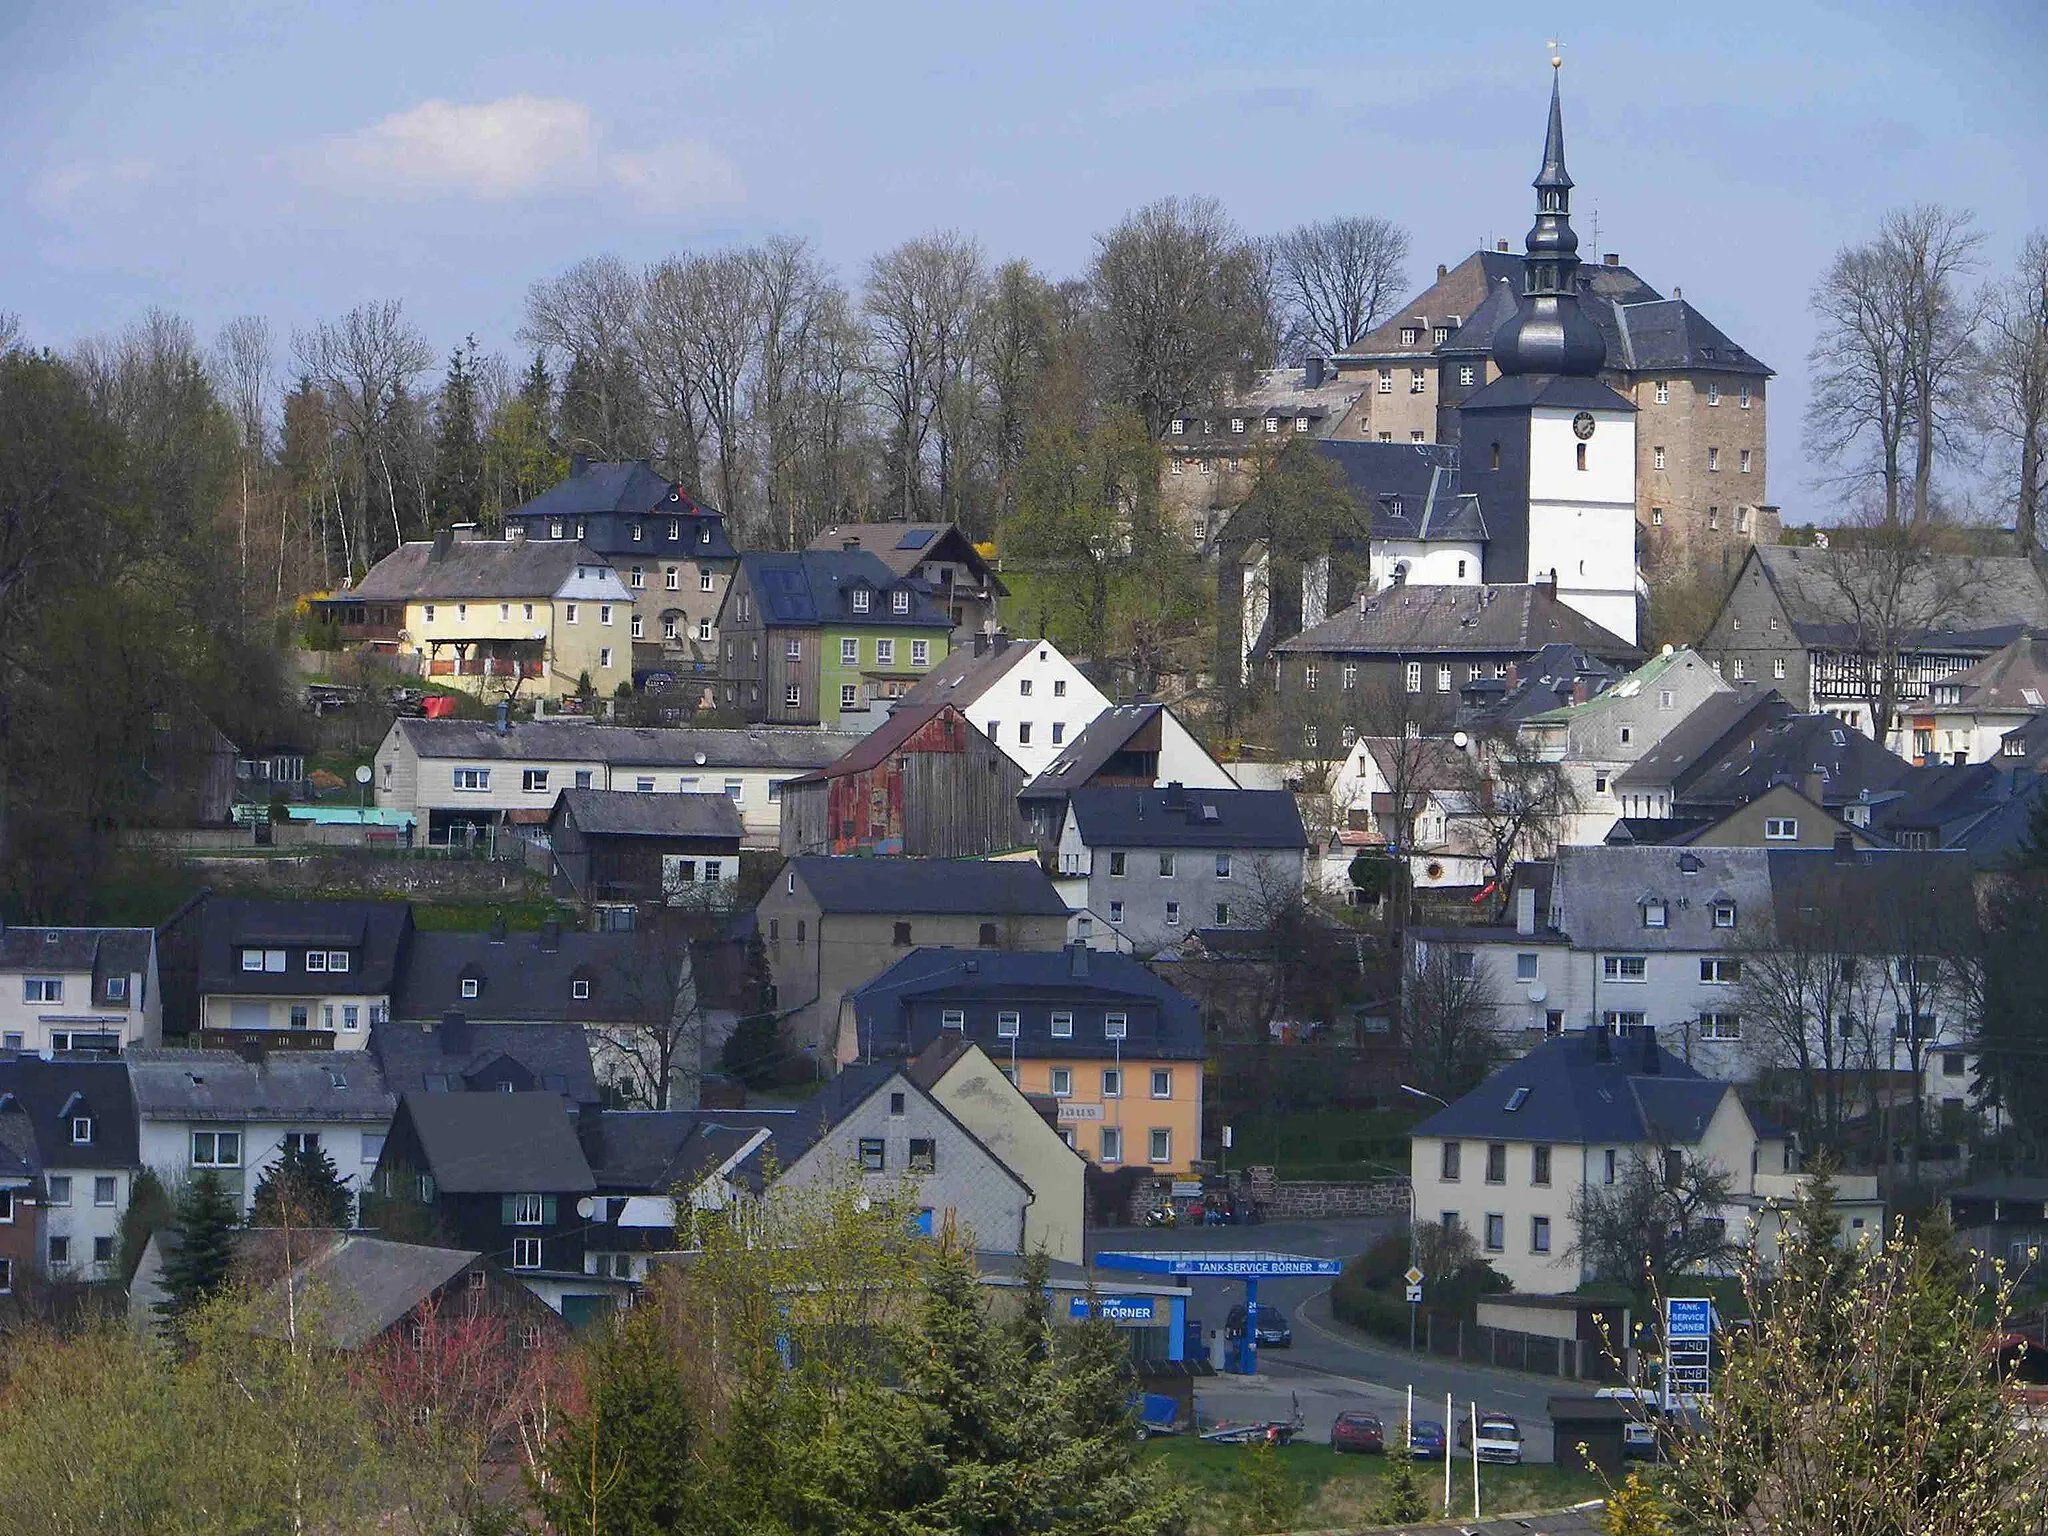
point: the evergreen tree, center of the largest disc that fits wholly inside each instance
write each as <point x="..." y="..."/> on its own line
<point x="302" y="1188"/>
<point x="1087" y="1460"/>
<point x="1401" y="1498"/>
<point x="458" y="489"/>
<point x="1267" y="1498"/>
<point x="624" y="1463"/>
<point x="967" y="1384"/>
<point x="197" y="1267"/>
<point x="150" y="1210"/>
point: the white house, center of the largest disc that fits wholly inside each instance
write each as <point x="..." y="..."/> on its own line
<point x="1024" y="695"/>
<point x="75" y="1120"/>
<point x="78" y="989"/>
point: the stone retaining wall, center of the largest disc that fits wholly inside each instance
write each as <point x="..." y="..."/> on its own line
<point x="1284" y="1200"/>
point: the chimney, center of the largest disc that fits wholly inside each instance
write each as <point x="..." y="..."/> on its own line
<point x="590" y="1133"/>
<point x="1312" y="373"/>
<point x="443" y="542"/>
<point x="846" y="544"/>
<point x="1603" y="1043"/>
<point x="980" y="643"/>
<point x="1579" y="692"/>
<point x="578" y="463"/>
<point x="1500" y="245"/>
<point x="1611" y="258"/>
<point x="1442" y="271"/>
<point x="1077" y="961"/>
<point x="1653" y="1063"/>
<point x="1813" y="785"/>
<point x="453" y="1033"/>
<point x="551" y="935"/>
<point x="1678" y="293"/>
<point x="1845" y="847"/>
<point x="502" y="720"/>
<point x="1525" y="910"/>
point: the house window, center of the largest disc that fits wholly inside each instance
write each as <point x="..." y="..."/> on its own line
<point x="1744" y="465"/>
<point x="1663" y="391"/>
<point x="704" y="585"/>
<point x="860" y="601"/>
<point x="117" y="987"/>
<point x="1386" y="381"/>
<point x="1656" y="914"/>
<point x="900" y="602"/>
<point x="1657" y="457"/>
<point x="902" y="936"/>
<point x="1115" y="1025"/>
<point x="874" y="1155"/>
<point x="639" y="628"/>
<point x="1112" y="1083"/>
<point x="1466" y="375"/>
<point x="60" y="1252"/>
<point x="1165" y="866"/>
<point x="1453" y="1153"/>
<point x="57" y="1188"/>
<point x="471" y="986"/>
<point x="792" y="696"/>
<point x="920" y="653"/>
<point x="1410" y="335"/>
<point x="1656" y="517"/>
<point x="528" y="1211"/>
<point x="1062" y="1026"/>
<point x="1713" y="517"/>
<point x="1525" y="967"/>
<point x="1622" y="1021"/>
<point x="849" y="651"/>
<point x="1781" y="829"/>
<point x="1179" y="426"/>
<point x="1720" y="1026"/>
<point x="1414" y="676"/>
<point x="1112" y="1144"/>
<point x="430" y="613"/>
<point x="986" y="936"/>
<point x="1623" y="967"/>
<point x="1713" y="394"/>
<point x="924" y="1154"/>
<point x="1162" y="1145"/>
<point x="50" y="989"/>
<point x="1443" y="679"/>
<point x="1713" y="458"/>
<point x="1309" y="674"/>
<point x="953" y="1018"/>
<point x="1059" y="732"/>
<point x="1116" y="911"/>
<point x="1222" y="914"/>
<point x="639" y="579"/>
<point x="670" y="629"/>
<point x="849" y="696"/>
<point x="1062" y="1082"/>
<point x="1608" y="1171"/>
<point x="81" y="1131"/>
<point x="477" y="780"/>
<point x="579" y="989"/>
<point x="1600" y="783"/>
<point x="1496" y="1231"/>
<point x="1173" y="914"/>
<point x="568" y="613"/>
<point x="1162" y="1082"/>
<point x="672" y="579"/>
<point x="1951" y="1063"/>
<point x="1724" y="914"/>
<point x="526" y="1253"/>
<point x="1539" y="1165"/>
<point x="1581" y="454"/>
<point x="351" y="1017"/>
<point x="1008" y="1023"/>
<point x="604" y="656"/>
<point x="1496" y="1162"/>
<point x="1721" y="972"/>
<point x="535" y="781"/>
<point x="1024" y="733"/>
<point x="1539" y="1234"/>
<point x="1416" y="381"/>
<point x="216" y="1149"/>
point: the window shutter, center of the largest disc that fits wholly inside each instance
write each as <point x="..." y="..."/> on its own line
<point x="508" y="1210"/>
<point x="547" y="1210"/>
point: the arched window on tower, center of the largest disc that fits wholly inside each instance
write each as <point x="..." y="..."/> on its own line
<point x="1582" y="455"/>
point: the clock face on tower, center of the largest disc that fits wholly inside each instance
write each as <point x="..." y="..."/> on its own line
<point x="1582" y="425"/>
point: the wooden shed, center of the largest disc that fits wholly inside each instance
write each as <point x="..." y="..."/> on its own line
<point x="616" y="846"/>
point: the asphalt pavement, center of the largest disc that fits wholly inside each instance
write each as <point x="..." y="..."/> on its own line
<point x="1331" y="1367"/>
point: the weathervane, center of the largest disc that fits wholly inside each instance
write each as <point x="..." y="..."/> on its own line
<point x="1556" y="53"/>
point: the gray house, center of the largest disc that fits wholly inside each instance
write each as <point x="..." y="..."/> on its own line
<point x="1160" y="863"/>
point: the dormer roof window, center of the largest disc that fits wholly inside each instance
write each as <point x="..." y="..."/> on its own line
<point x="860" y="599"/>
<point x="899" y="600"/>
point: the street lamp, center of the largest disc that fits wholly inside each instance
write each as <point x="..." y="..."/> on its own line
<point x="1424" y="1094"/>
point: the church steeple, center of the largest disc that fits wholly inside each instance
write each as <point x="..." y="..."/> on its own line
<point x="1550" y="332"/>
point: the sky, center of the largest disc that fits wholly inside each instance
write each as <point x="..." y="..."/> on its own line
<point x="293" y="160"/>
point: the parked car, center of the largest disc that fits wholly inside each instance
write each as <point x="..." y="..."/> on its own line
<point x="1639" y="1435"/>
<point x="1426" y="1440"/>
<point x="1359" y="1432"/>
<point x="1270" y="1328"/>
<point x="1500" y="1439"/>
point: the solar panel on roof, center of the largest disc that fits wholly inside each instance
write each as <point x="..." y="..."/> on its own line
<point x="917" y="538"/>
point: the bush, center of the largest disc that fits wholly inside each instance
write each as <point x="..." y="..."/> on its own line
<point x="1369" y="1294"/>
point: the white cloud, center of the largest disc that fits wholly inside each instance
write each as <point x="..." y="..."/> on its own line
<point x="518" y="146"/>
<point x="86" y="182"/>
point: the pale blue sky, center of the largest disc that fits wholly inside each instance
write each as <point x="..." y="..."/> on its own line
<point x="294" y="160"/>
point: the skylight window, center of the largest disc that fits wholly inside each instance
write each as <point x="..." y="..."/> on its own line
<point x="1517" y="1099"/>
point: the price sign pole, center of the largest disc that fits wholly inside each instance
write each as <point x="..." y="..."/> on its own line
<point x="1688" y="1351"/>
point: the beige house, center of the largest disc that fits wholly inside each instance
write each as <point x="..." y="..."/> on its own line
<point x="960" y="1077"/>
<point x="833" y="924"/>
<point x="499" y="618"/>
<point x="78" y="989"/>
<point x="1511" y="1160"/>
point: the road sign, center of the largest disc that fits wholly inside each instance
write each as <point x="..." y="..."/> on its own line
<point x="1683" y="1318"/>
<point x="1414" y="1293"/>
<point x="1414" y="1276"/>
<point x="1688" y="1350"/>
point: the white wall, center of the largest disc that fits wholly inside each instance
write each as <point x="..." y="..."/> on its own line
<point x="1429" y="565"/>
<point x="139" y="1022"/>
<point x="218" y="1011"/>
<point x="166" y="1146"/>
<point x="1582" y="523"/>
<point x="83" y="1221"/>
<point x="1045" y="691"/>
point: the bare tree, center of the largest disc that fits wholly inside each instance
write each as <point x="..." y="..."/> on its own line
<point x="1896" y="354"/>
<point x="797" y="300"/>
<point x="701" y="332"/>
<point x="1665" y="1215"/>
<point x="366" y="363"/>
<point x="923" y="303"/>
<point x="655" y="1056"/>
<point x="586" y="320"/>
<point x="242" y="362"/>
<point x="2013" y="384"/>
<point x="1450" y="1013"/>
<point x="1178" y="305"/>
<point x="1338" y="276"/>
<point x="1806" y="1002"/>
<point x="1016" y="346"/>
<point x="1513" y="803"/>
<point x="10" y="331"/>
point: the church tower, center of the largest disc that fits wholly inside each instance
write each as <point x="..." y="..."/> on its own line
<point x="1548" y="448"/>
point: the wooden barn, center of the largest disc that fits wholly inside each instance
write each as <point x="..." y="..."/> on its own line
<point x="927" y="784"/>
<point x="616" y="846"/>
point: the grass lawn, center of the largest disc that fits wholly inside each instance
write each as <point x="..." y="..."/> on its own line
<point x="1333" y="1144"/>
<point x="1339" y="1491"/>
<point x="475" y="916"/>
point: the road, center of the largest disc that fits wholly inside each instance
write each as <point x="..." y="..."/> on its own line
<point x="1331" y="1367"/>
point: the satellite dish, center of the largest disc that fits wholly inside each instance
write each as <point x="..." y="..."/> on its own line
<point x="1538" y="993"/>
<point x="586" y="1207"/>
<point x="362" y="773"/>
<point x="701" y="759"/>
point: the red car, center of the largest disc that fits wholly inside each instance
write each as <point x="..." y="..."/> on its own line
<point x="1360" y="1432"/>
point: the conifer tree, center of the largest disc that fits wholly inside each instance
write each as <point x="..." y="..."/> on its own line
<point x="197" y="1267"/>
<point x="1401" y="1497"/>
<point x="458" y="489"/>
<point x="302" y="1189"/>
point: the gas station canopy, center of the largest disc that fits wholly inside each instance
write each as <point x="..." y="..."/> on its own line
<point x="1222" y="1266"/>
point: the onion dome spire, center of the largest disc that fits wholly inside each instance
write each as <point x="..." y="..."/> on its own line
<point x="1550" y="332"/>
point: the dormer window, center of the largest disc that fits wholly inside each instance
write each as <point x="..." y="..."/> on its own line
<point x="117" y="987"/>
<point x="675" y="528"/>
<point x="638" y="534"/>
<point x="1724" y="914"/>
<point x="860" y="600"/>
<point x="1656" y="914"/>
<point x="900" y="601"/>
<point x="472" y="986"/>
<point x="81" y="1130"/>
<point x="579" y="989"/>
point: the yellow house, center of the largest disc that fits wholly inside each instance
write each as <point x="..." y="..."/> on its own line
<point x="1117" y="1050"/>
<point x="493" y="617"/>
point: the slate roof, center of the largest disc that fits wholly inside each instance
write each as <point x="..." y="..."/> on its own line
<point x="1997" y="839"/>
<point x="1410" y="489"/>
<point x="904" y="721"/>
<point x="903" y="547"/>
<point x="990" y="887"/>
<point x="654" y="1151"/>
<point x="1806" y="880"/>
<point x="1100" y="740"/>
<point x="629" y="487"/>
<point x="285" y="1085"/>
<point x="626" y="813"/>
<point x="1475" y="336"/>
<point x="624" y="746"/>
<point x="528" y="976"/>
<point x="1518" y="391"/>
<point x="363" y="1286"/>
<point x="1942" y="796"/>
<point x="494" y="1143"/>
<point x="1695" y="743"/>
<point x="1176" y="817"/>
<point x="2005" y="678"/>
<point x="804" y="591"/>
<point x="1599" y="893"/>
<point x="47" y="1095"/>
<point x="1851" y="765"/>
<point x="1624" y="688"/>
<point x="1984" y="600"/>
<point x="1507" y="620"/>
<point x="18" y="1156"/>
<point x="962" y="677"/>
<point x="453" y="1055"/>
<point x="1547" y="681"/>
<point x="373" y="931"/>
<point x="103" y="951"/>
<point x="476" y="570"/>
<point x="1660" y="335"/>
<point x="1168" y="1027"/>
<point x="1576" y="1098"/>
